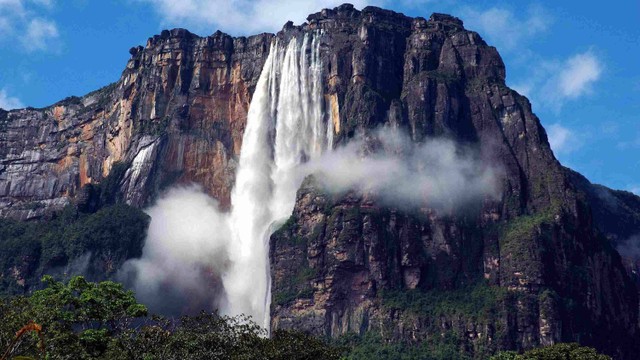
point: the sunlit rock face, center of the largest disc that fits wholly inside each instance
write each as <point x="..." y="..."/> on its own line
<point x="178" y="115"/>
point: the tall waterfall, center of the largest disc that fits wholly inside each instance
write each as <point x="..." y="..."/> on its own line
<point x="286" y="126"/>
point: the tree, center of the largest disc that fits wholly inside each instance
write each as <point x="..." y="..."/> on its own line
<point x="86" y="320"/>
<point x="570" y="351"/>
<point x="79" y="317"/>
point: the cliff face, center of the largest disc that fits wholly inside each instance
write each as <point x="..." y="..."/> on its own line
<point x="176" y="115"/>
<point x="539" y="269"/>
<point x="535" y="266"/>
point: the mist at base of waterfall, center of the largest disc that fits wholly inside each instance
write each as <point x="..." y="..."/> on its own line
<point x="197" y="257"/>
<point x="192" y="248"/>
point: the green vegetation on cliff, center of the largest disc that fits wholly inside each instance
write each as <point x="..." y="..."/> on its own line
<point x="95" y="244"/>
<point x="372" y="346"/>
<point x="455" y="315"/>
<point x="479" y="300"/>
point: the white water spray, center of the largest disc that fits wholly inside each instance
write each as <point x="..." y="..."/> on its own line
<point x="287" y="105"/>
<point x="287" y="125"/>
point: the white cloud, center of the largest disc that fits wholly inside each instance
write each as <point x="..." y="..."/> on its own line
<point x="246" y="17"/>
<point x="630" y="144"/>
<point x="552" y="83"/>
<point x="24" y="22"/>
<point x="46" y="3"/>
<point x="569" y="79"/>
<point x="578" y="74"/>
<point x="503" y="28"/>
<point x="438" y="173"/>
<point x="562" y="139"/>
<point x="5" y="26"/>
<point x="8" y="102"/>
<point x="40" y="35"/>
<point x="241" y="17"/>
<point x="635" y="190"/>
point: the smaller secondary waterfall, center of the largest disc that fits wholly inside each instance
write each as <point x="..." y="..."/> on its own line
<point x="286" y="126"/>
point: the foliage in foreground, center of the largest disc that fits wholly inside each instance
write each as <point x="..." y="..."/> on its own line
<point x="85" y="320"/>
<point x="570" y="351"/>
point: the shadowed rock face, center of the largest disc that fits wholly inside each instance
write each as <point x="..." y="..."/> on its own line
<point x="176" y="115"/>
<point x="538" y="256"/>
<point x="340" y="261"/>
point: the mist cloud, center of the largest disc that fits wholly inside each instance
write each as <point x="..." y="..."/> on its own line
<point x="630" y="247"/>
<point x="9" y="102"/>
<point x="184" y="255"/>
<point x="438" y="173"/>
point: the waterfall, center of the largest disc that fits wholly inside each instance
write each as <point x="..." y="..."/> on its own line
<point x="286" y="126"/>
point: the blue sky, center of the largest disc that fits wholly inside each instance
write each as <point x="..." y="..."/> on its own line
<point x="577" y="61"/>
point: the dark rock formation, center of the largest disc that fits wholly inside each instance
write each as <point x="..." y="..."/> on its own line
<point x="548" y="271"/>
<point x="616" y="214"/>
<point x="536" y="266"/>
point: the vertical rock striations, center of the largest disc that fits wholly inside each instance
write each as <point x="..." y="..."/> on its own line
<point x="526" y="270"/>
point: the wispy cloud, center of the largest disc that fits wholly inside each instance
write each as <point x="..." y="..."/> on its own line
<point x="25" y="22"/>
<point x="5" y="25"/>
<point x="578" y="74"/>
<point x="630" y="247"/>
<point x="555" y="82"/>
<point x="503" y="28"/>
<point x="241" y="17"/>
<point x="562" y="139"/>
<point x="9" y="102"/>
<point x="39" y="35"/>
<point x="628" y="144"/>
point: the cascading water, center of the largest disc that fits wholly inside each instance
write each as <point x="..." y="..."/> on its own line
<point x="287" y="107"/>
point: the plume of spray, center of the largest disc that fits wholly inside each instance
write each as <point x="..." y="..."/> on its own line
<point x="185" y="252"/>
<point x="286" y="125"/>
